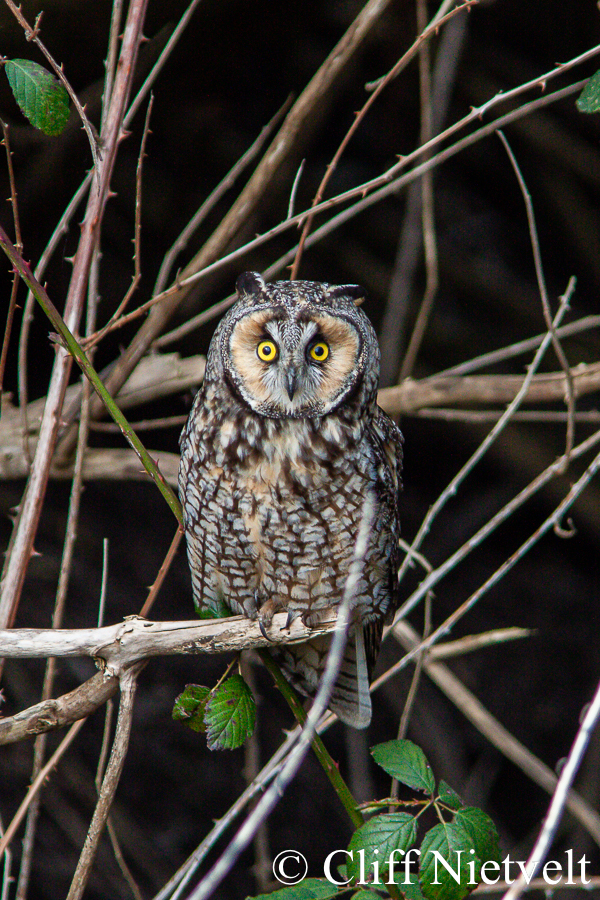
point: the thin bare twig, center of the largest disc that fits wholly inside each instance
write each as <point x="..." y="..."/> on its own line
<point x="128" y="684"/>
<point x="559" y="799"/>
<point x="485" y="444"/>
<point x="427" y="205"/>
<point x="423" y="37"/>
<point x="492" y="730"/>
<point x="334" y="658"/>
<point x="539" y="271"/>
<point x="96" y="337"/>
<point x="408" y="253"/>
<point x="110" y="65"/>
<point x="104" y="750"/>
<point x="12" y="303"/>
<point x="412" y="693"/>
<point x="37" y="784"/>
<point x="162" y="573"/>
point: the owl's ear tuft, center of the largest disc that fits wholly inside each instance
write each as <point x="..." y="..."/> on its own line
<point x="250" y="283"/>
<point x="347" y="291"/>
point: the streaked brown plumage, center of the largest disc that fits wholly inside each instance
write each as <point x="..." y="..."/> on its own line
<point x="284" y="442"/>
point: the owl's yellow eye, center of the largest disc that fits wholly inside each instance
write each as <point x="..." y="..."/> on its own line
<point x="319" y="351"/>
<point x="267" y="351"/>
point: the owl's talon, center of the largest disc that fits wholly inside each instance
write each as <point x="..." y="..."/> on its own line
<point x="289" y="620"/>
<point x="263" y="631"/>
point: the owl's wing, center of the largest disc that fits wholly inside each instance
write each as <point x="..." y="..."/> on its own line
<point x="386" y="443"/>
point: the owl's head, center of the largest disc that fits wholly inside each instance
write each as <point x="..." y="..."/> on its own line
<point x="296" y="349"/>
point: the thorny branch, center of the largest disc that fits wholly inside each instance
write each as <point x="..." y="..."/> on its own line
<point x="120" y="647"/>
<point x="21" y="547"/>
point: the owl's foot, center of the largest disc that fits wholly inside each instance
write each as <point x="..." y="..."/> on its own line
<point x="265" y="615"/>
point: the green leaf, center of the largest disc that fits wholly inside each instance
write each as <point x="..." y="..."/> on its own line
<point x="190" y="706"/>
<point x="379" y="837"/>
<point x="406" y="762"/>
<point x="308" y="889"/>
<point x="481" y="831"/>
<point x="230" y="714"/>
<point x="449" y="842"/>
<point x="365" y="895"/>
<point x="41" y="96"/>
<point x="410" y="889"/>
<point x="589" y="99"/>
<point x="449" y="796"/>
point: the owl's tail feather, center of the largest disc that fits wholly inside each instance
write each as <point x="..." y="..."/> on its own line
<point x="351" y="699"/>
<point x="303" y="665"/>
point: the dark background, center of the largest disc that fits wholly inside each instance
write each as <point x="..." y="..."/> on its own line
<point x="235" y="66"/>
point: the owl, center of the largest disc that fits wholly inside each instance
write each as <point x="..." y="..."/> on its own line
<point x="283" y="444"/>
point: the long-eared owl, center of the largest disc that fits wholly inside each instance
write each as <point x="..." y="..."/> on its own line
<point x="283" y="444"/>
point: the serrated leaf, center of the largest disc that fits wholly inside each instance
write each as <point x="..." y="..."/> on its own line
<point x="190" y="705"/>
<point x="406" y="762"/>
<point x="448" y="842"/>
<point x="589" y="99"/>
<point x="308" y="889"/>
<point x="482" y="832"/>
<point x="230" y="715"/>
<point x="379" y="837"/>
<point x="41" y="96"/>
<point x="449" y="796"/>
<point x="410" y="889"/>
<point x="365" y="895"/>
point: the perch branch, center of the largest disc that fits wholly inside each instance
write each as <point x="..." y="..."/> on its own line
<point x="120" y="646"/>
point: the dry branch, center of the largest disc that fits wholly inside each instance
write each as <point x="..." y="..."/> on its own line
<point x="166" y="374"/>
<point x="117" y="647"/>
<point x="159" y="375"/>
<point x="280" y="152"/>
<point x="495" y="733"/>
<point x="411" y="396"/>
<point x="52" y="714"/>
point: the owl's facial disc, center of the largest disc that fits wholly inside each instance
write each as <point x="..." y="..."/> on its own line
<point x="293" y="367"/>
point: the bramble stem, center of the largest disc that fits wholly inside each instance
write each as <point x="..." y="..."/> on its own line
<point x="329" y="766"/>
<point x="71" y="344"/>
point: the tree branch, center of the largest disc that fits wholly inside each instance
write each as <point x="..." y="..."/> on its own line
<point x="117" y="647"/>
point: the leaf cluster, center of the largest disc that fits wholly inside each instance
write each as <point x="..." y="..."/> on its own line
<point x="226" y="714"/>
<point x="451" y="853"/>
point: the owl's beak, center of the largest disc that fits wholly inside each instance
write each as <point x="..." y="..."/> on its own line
<point x="290" y="384"/>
